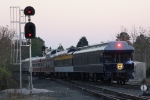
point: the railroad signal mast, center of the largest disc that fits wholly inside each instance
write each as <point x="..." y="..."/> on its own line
<point x="43" y="50"/>
<point x="30" y="33"/>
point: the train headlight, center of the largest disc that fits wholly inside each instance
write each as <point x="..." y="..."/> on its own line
<point x="120" y="66"/>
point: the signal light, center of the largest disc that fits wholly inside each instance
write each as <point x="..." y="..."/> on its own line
<point x="119" y="45"/>
<point x="29" y="11"/>
<point x="30" y="30"/>
<point x="30" y="34"/>
<point x="43" y="48"/>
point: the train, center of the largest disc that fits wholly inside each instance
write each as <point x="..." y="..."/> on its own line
<point x="106" y="62"/>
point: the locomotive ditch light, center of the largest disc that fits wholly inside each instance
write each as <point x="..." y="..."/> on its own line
<point x="120" y="66"/>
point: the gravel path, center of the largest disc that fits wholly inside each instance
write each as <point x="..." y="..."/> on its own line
<point x="61" y="92"/>
<point x="57" y="92"/>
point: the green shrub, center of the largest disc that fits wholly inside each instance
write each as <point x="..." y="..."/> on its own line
<point x="6" y="80"/>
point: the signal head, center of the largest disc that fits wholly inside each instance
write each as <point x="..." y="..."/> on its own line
<point x="30" y="30"/>
<point x="29" y="11"/>
<point x="43" y="48"/>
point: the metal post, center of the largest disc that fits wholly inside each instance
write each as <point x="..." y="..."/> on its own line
<point x="20" y="49"/>
<point x="43" y="54"/>
<point x="30" y="68"/>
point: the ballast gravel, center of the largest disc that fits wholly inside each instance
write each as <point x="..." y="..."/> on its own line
<point x="45" y="89"/>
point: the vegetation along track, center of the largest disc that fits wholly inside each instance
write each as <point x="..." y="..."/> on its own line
<point x="100" y="92"/>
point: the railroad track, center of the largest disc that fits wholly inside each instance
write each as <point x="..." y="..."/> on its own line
<point x="126" y="86"/>
<point x="100" y="92"/>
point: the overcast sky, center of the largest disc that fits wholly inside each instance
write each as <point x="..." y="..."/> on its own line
<point x="66" y="21"/>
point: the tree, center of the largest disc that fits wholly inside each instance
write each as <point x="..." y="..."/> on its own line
<point x="37" y="44"/>
<point x="50" y="48"/>
<point x="60" y="47"/>
<point x="6" y="36"/>
<point x="5" y="43"/>
<point x="123" y="36"/>
<point x="141" y="43"/>
<point x="70" y="47"/>
<point x="82" y="42"/>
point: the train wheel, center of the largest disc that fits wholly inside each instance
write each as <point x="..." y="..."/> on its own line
<point x="120" y="82"/>
<point x="117" y="82"/>
<point x="124" y="82"/>
<point x="110" y="80"/>
<point x="95" y="78"/>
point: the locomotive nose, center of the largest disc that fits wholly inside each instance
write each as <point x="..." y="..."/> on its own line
<point x="120" y="66"/>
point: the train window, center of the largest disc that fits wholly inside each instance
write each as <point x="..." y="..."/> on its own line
<point x="53" y="52"/>
<point x="97" y="59"/>
<point x="70" y="62"/>
<point x="50" y="63"/>
<point x="90" y="62"/>
<point x="83" y="61"/>
<point x="65" y="62"/>
<point x="87" y="60"/>
<point x="125" y="57"/>
<point x="101" y="59"/>
<point x="121" y="57"/>
<point x="56" y="63"/>
<point x="59" y="63"/>
<point x="79" y="61"/>
<point x="92" y="59"/>
<point x="108" y="58"/>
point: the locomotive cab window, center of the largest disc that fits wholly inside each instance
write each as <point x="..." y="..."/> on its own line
<point x="126" y="57"/>
<point x="122" y="57"/>
<point x="108" y="58"/>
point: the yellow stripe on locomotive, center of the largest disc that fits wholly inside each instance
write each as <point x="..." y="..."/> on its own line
<point x="64" y="57"/>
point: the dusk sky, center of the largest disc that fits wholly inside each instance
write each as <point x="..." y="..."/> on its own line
<point x="66" y="21"/>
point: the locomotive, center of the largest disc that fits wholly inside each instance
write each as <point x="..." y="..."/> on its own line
<point x="106" y="62"/>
